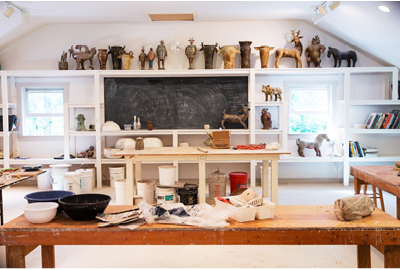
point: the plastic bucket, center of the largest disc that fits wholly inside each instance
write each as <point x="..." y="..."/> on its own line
<point x="86" y="179"/>
<point x="44" y="179"/>
<point x="116" y="173"/>
<point x="167" y="175"/>
<point x="188" y="194"/>
<point x="146" y="189"/>
<point x="166" y="195"/>
<point x="120" y="191"/>
<point x="72" y="182"/>
<point x="57" y="175"/>
<point x="238" y="180"/>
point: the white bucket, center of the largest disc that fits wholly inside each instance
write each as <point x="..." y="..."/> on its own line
<point x="86" y="179"/>
<point x="57" y="178"/>
<point x="167" y="175"/>
<point x="116" y="173"/>
<point x="44" y="179"/>
<point x="146" y="189"/>
<point x="166" y="195"/>
<point x="120" y="191"/>
<point x="72" y="182"/>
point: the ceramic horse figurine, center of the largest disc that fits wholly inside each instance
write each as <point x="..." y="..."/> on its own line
<point x="338" y="55"/>
<point x="315" y="144"/>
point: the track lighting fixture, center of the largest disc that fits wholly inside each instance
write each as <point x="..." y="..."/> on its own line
<point x="334" y="5"/>
<point x="10" y="10"/>
<point x="321" y="11"/>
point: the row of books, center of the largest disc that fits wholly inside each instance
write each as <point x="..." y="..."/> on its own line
<point x="384" y="120"/>
<point x="355" y="149"/>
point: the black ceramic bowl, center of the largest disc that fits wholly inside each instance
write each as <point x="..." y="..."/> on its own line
<point x="84" y="206"/>
<point x="48" y="196"/>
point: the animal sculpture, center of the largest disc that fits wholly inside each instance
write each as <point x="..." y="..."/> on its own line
<point x="266" y="119"/>
<point x="270" y="91"/>
<point x="230" y="118"/>
<point x="80" y="57"/>
<point x="293" y="53"/>
<point x="338" y="56"/>
<point x="315" y="144"/>
<point x="314" y="51"/>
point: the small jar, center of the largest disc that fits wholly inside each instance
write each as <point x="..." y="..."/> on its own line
<point x="150" y="125"/>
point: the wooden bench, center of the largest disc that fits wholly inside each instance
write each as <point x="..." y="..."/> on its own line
<point x="292" y="225"/>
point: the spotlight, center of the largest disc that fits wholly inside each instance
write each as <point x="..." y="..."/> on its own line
<point x="317" y="18"/>
<point x="9" y="11"/>
<point x="322" y="10"/>
<point x="334" y="5"/>
<point x="25" y="17"/>
<point x="384" y="8"/>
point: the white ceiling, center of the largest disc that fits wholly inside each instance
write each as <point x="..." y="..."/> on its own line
<point x="358" y="23"/>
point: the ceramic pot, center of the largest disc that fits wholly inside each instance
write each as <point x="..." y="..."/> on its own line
<point x="245" y="51"/>
<point x="153" y="142"/>
<point x="126" y="59"/>
<point x="150" y="125"/>
<point x="109" y="152"/>
<point x="264" y="54"/>
<point x="102" y="55"/>
<point x="139" y="143"/>
<point x="115" y="52"/>
<point x="209" y="54"/>
<point x="62" y="65"/>
<point x="125" y="143"/>
<point x="228" y="55"/>
<point x="110" y="126"/>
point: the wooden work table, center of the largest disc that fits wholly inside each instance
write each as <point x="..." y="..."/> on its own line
<point x="135" y="157"/>
<point x="292" y="225"/>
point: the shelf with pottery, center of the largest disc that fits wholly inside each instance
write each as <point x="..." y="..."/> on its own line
<point x="205" y="131"/>
<point x="53" y="161"/>
<point x="268" y="103"/>
<point x="268" y="132"/>
<point x="140" y="132"/>
<point x="174" y="73"/>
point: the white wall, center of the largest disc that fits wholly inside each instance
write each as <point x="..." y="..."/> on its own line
<point x="41" y="50"/>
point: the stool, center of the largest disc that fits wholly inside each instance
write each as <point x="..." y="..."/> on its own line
<point x="375" y="195"/>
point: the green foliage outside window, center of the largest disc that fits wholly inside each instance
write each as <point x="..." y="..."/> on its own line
<point x="310" y="123"/>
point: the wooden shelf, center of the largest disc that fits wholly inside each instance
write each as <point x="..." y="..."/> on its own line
<point x="83" y="105"/>
<point x="383" y="158"/>
<point x="137" y="132"/>
<point x="122" y="161"/>
<point x="269" y="132"/>
<point x="82" y="133"/>
<point x="289" y="158"/>
<point x="10" y="105"/>
<point x="53" y="161"/>
<point x="374" y="131"/>
<point x="371" y="102"/>
<point x="268" y="103"/>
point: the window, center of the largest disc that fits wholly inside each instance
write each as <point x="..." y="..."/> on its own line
<point x="42" y="110"/>
<point x="310" y="109"/>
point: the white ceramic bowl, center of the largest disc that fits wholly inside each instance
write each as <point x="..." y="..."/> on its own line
<point x="124" y="143"/>
<point x="110" y="126"/>
<point x="40" y="212"/>
<point x="152" y="142"/>
<point x="109" y="152"/>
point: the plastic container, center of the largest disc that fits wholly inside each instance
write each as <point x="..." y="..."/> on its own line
<point x="166" y="195"/>
<point x="48" y="196"/>
<point x="241" y="214"/>
<point x="44" y="180"/>
<point x="238" y="180"/>
<point x="120" y="191"/>
<point x="167" y="175"/>
<point x="86" y="179"/>
<point x="57" y="175"/>
<point x="147" y="189"/>
<point x="72" y="182"/>
<point x="116" y="173"/>
<point x="266" y="210"/>
<point x="40" y="212"/>
<point x="188" y="194"/>
<point x="217" y="184"/>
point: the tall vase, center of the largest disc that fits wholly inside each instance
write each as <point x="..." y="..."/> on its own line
<point x="264" y="54"/>
<point x="209" y="54"/>
<point x="102" y="55"/>
<point x="228" y="55"/>
<point x="245" y="50"/>
<point x="115" y="52"/>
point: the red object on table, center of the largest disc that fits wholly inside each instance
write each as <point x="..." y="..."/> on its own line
<point x="238" y="180"/>
<point x="250" y="146"/>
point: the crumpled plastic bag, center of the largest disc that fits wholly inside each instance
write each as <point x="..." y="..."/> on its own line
<point x="353" y="207"/>
<point x="200" y="215"/>
<point x="272" y="146"/>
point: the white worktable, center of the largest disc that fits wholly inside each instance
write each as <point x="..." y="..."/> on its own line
<point x="133" y="156"/>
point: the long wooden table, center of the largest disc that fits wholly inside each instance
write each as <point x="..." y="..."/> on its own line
<point x="135" y="157"/>
<point x="383" y="177"/>
<point x="292" y="225"/>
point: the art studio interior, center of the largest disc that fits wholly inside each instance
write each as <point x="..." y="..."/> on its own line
<point x="199" y="134"/>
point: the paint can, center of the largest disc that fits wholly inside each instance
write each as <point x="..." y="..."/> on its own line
<point x="188" y="194"/>
<point x="167" y="175"/>
<point x="166" y="194"/>
<point x="120" y="191"/>
<point x="146" y="189"/>
<point x="238" y="180"/>
<point x="72" y="182"/>
<point x="116" y="173"/>
<point x="44" y="179"/>
<point x="86" y="179"/>
<point x="57" y="175"/>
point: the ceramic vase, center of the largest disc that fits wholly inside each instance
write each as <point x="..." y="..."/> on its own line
<point x="228" y="55"/>
<point x="209" y="55"/>
<point x="245" y="51"/>
<point x="150" y="125"/>
<point x="264" y="54"/>
<point x="102" y="55"/>
<point x="62" y="65"/>
<point x="126" y="60"/>
<point x="115" y="52"/>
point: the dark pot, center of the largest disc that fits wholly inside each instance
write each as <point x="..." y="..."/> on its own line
<point x="115" y="52"/>
<point x="245" y="51"/>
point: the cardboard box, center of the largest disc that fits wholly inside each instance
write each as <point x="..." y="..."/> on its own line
<point x="221" y="139"/>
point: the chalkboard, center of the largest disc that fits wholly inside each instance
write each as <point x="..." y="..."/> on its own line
<point x="175" y="103"/>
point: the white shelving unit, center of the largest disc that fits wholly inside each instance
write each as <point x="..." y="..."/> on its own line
<point x="253" y="134"/>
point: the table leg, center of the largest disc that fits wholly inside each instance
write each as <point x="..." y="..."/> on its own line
<point x="357" y="185"/>
<point x="274" y="181"/>
<point x="392" y="257"/>
<point x="1" y="208"/>
<point x="15" y="257"/>
<point x="202" y="179"/>
<point x="130" y="181"/>
<point x="364" y="256"/>
<point x="265" y="179"/>
<point x="48" y="259"/>
<point x="138" y="172"/>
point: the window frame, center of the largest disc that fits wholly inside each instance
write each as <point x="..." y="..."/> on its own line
<point x="23" y="109"/>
